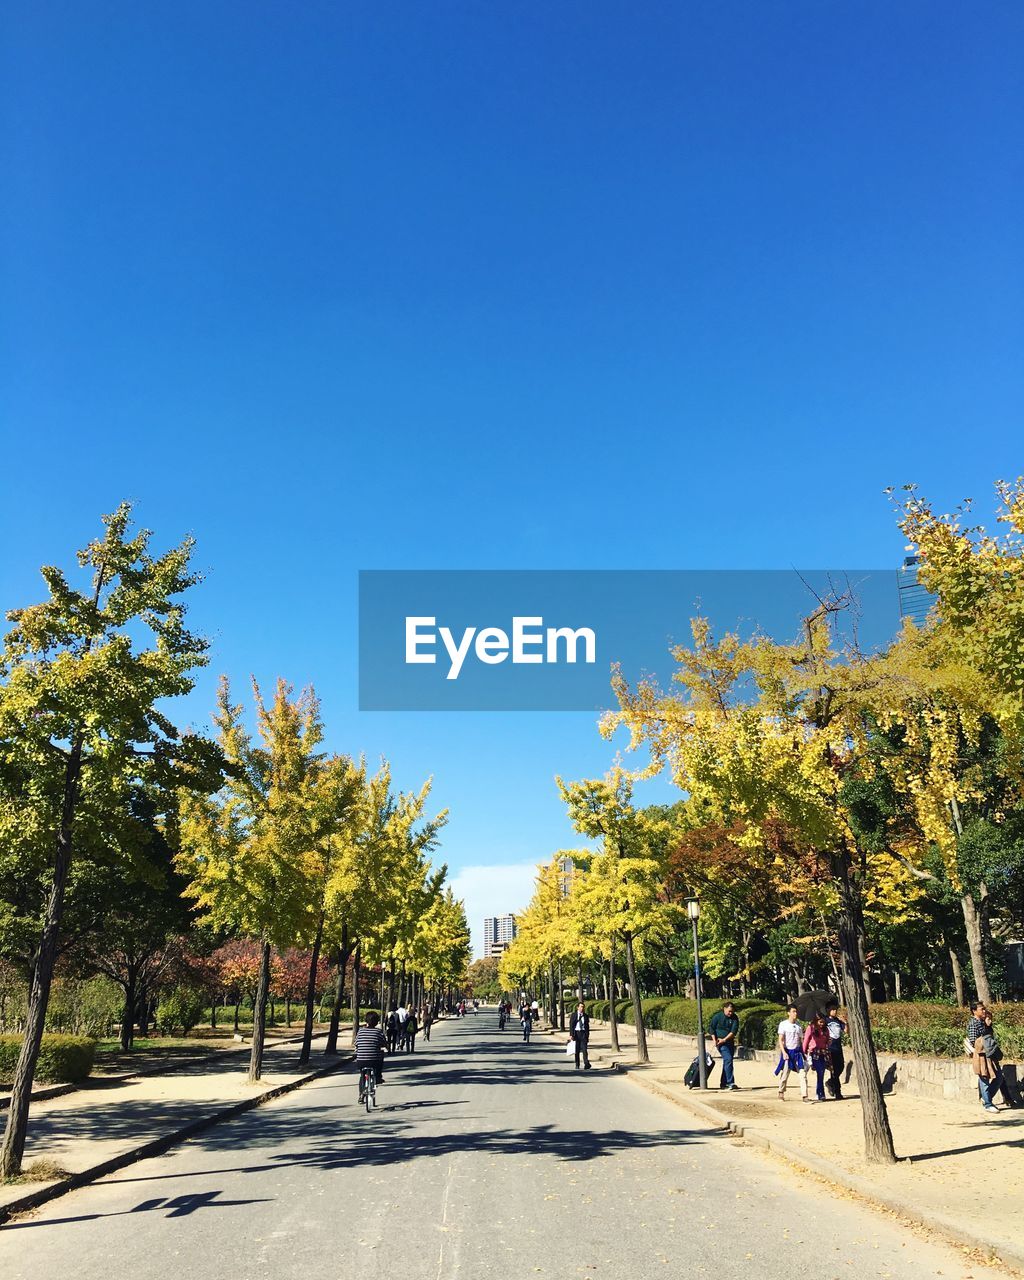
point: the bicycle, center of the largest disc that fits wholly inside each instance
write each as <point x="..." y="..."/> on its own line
<point x="368" y="1087"/>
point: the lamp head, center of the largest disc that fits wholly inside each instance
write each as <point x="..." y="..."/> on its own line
<point x="693" y="908"/>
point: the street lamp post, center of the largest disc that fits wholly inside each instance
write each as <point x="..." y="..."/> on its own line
<point x="693" y="910"/>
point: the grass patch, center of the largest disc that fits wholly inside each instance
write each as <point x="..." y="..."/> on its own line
<point x="38" y="1171"/>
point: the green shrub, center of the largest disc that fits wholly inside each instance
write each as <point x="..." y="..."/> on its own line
<point x="62" y="1059"/>
<point x="181" y="1007"/>
<point x="84" y="1006"/>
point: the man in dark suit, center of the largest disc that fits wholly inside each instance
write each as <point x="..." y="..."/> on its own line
<point x="579" y="1029"/>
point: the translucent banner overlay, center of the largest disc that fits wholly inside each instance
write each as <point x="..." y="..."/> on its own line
<point x="546" y="640"/>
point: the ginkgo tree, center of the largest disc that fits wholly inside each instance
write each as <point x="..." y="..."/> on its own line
<point x="623" y="890"/>
<point x="248" y="849"/>
<point x="84" y="679"/>
<point x="763" y="738"/>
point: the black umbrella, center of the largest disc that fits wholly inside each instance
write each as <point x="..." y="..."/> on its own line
<point x="813" y="1002"/>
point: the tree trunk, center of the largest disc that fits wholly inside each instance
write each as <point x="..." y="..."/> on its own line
<point x="238" y="1003"/>
<point x="213" y="1014"/>
<point x="579" y="977"/>
<point x="355" y="991"/>
<point x="128" y="1016"/>
<point x="865" y="971"/>
<point x="973" y="924"/>
<point x="342" y="955"/>
<point x="259" y="1016"/>
<point x="391" y="983"/>
<point x="613" y="1025"/>
<point x="744" y="978"/>
<point x="16" y="1130"/>
<point x="314" y="963"/>
<point x="878" y="1144"/>
<point x="958" y="975"/>
<point x="634" y="994"/>
<point x="143" y="1015"/>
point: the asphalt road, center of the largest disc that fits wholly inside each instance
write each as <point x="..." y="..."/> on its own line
<point x="487" y="1157"/>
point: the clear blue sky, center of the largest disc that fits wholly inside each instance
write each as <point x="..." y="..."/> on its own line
<point x="478" y="285"/>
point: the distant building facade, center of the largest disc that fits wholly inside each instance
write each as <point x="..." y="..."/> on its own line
<point x="915" y="601"/>
<point x="499" y="933"/>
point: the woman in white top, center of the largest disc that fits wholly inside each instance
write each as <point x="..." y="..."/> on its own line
<point x="791" y="1053"/>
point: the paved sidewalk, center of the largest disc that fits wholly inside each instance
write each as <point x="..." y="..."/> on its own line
<point x="110" y="1117"/>
<point x="959" y="1167"/>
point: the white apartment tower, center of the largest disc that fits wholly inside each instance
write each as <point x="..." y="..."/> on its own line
<point x="499" y="932"/>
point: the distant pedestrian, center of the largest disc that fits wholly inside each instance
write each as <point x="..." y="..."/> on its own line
<point x="391" y="1029"/>
<point x="426" y="1018"/>
<point x="791" y="1053"/>
<point x="725" y="1029"/>
<point x="579" y="1031"/>
<point x="836" y="1028"/>
<point x="816" y="1048"/>
<point x="411" y="1027"/>
<point x="527" y="1022"/>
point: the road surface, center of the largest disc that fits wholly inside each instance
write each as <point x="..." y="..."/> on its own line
<point x="487" y="1158"/>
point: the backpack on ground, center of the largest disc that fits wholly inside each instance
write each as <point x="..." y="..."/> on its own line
<point x="692" y="1077"/>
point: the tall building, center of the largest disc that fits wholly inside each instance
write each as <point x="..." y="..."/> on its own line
<point x="499" y="931"/>
<point x="915" y="601"/>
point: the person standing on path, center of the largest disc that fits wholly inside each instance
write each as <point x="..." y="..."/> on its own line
<point x="579" y="1031"/>
<point x="791" y="1055"/>
<point x="816" y="1046"/>
<point x="725" y="1029"/>
<point x="836" y="1027"/>
<point x="988" y="1056"/>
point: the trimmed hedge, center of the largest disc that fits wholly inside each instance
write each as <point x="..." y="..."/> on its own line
<point x="759" y="1019"/>
<point x="900" y="1027"/>
<point x="62" y="1059"/>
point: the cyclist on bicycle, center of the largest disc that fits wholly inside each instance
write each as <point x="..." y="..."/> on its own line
<point x="370" y="1045"/>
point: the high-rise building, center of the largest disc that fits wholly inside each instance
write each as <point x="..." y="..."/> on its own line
<point x="499" y="932"/>
<point x="915" y="600"/>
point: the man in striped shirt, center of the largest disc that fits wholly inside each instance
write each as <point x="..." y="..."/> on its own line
<point x="370" y="1046"/>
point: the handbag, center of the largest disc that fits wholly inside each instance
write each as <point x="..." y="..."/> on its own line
<point x="570" y="1049"/>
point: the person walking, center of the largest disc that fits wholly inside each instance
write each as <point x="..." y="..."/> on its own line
<point x="816" y="1047"/>
<point x="725" y="1030"/>
<point x="791" y="1053"/>
<point x="411" y="1027"/>
<point x="527" y="1022"/>
<point x="837" y="1063"/>
<point x="426" y="1018"/>
<point x="579" y="1031"/>
<point x="391" y="1029"/>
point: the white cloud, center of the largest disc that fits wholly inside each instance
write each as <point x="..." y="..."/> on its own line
<point x="493" y="891"/>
